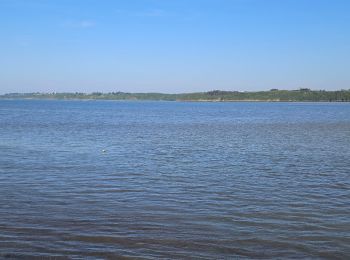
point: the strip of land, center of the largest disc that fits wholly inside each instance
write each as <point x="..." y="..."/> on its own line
<point x="273" y="95"/>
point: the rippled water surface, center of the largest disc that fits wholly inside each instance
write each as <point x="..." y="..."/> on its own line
<point x="176" y="180"/>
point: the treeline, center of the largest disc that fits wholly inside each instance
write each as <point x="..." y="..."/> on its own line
<point x="215" y="95"/>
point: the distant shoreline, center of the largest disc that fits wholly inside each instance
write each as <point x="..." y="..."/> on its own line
<point x="186" y="101"/>
<point x="273" y="95"/>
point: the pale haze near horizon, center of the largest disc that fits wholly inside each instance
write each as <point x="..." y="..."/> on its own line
<point x="173" y="46"/>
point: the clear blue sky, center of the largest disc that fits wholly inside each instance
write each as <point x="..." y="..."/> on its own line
<point x="173" y="45"/>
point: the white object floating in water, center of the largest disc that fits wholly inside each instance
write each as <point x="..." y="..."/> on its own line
<point x="104" y="151"/>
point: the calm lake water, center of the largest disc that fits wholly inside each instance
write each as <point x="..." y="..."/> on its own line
<point x="177" y="180"/>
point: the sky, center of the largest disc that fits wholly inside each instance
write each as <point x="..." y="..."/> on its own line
<point x="173" y="46"/>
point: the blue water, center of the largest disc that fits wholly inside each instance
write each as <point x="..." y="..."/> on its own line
<point x="176" y="180"/>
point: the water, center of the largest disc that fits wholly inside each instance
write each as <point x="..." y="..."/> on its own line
<point x="177" y="180"/>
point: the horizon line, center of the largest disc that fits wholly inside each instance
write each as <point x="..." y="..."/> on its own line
<point x="166" y="93"/>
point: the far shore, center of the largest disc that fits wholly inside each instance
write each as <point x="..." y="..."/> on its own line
<point x="273" y="95"/>
<point x="186" y="101"/>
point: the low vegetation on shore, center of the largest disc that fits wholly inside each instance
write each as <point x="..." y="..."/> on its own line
<point x="215" y="95"/>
